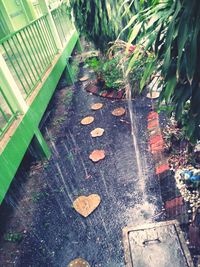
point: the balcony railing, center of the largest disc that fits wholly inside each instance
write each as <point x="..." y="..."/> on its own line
<point x="29" y="53"/>
<point x="7" y="114"/>
<point x="62" y="22"/>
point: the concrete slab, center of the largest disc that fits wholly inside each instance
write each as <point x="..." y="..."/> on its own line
<point x="156" y="245"/>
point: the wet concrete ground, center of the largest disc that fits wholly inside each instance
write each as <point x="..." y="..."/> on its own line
<point x="56" y="233"/>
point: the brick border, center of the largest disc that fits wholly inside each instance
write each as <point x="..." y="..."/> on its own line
<point x="91" y="87"/>
<point x="174" y="204"/>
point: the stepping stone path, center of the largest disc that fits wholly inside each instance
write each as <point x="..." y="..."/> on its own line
<point x="97" y="155"/>
<point x="118" y="112"/>
<point x="96" y="106"/>
<point x="85" y="205"/>
<point x="87" y="120"/>
<point x="97" y="132"/>
<point x="79" y="262"/>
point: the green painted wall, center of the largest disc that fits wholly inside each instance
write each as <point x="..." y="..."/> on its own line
<point x="16" y="12"/>
<point x="14" y="151"/>
<point x="6" y="26"/>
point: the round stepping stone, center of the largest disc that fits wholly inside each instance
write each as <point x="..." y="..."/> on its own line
<point x="97" y="132"/>
<point x="153" y="95"/>
<point x="79" y="262"/>
<point x="87" y="120"/>
<point x="97" y="155"/>
<point x="85" y="205"/>
<point x="118" y="112"/>
<point x="96" y="106"/>
<point x="84" y="78"/>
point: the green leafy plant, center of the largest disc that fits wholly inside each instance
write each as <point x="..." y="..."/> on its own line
<point x="75" y="68"/>
<point x="13" y="237"/>
<point x="171" y="30"/>
<point x="102" y="21"/>
<point x="93" y="63"/>
<point x="110" y="71"/>
<point x="95" y="20"/>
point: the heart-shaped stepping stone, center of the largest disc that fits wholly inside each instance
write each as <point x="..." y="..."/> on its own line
<point x="153" y="95"/>
<point x="87" y="120"/>
<point x="118" y="112"/>
<point x="96" y="106"/>
<point x="84" y="78"/>
<point x="79" y="262"/>
<point x="97" y="132"/>
<point x="85" y="205"/>
<point x="97" y="155"/>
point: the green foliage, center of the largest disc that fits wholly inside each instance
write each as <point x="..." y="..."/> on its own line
<point x="171" y="29"/>
<point x="93" y="63"/>
<point x="112" y="73"/>
<point x="108" y="70"/>
<point x="97" y="20"/>
<point x="136" y="74"/>
<point x="13" y="237"/>
<point x="75" y="68"/>
<point x="102" y="21"/>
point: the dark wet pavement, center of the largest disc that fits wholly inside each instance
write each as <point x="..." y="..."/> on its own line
<point x="58" y="233"/>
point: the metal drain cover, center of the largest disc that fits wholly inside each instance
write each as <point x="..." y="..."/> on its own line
<point x="156" y="245"/>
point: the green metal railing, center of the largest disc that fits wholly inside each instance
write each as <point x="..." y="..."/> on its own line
<point x="63" y="23"/>
<point x="7" y="114"/>
<point x="28" y="53"/>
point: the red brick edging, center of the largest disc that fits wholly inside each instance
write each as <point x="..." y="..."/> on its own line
<point x="174" y="207"/>
<point x="96" y="90"/>
<point x="156" y="142"/>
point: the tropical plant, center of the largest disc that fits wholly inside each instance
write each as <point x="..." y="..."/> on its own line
<point x="102" y="21"/>
<point x="171" y="29"/>
<point x="112" y="73"/>
<point x="97" y="20"/>
<point x="93" y="62"/>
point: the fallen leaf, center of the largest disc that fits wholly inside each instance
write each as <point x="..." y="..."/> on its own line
<point x="97" y="155"/>
<point x="85" y="205"/>
<point x="96" y="106"/>
<point x="153" y="95"/>
<point x="79" y="262"/>
<point x="97" y="132"/>
<point x="84" y="78"/>
<point x="118" y="112"/>
<point x="87" y="120"/>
